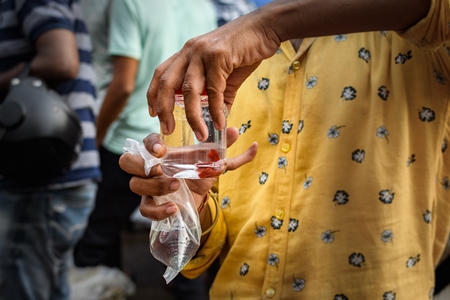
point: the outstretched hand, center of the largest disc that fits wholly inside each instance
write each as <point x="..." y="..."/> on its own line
<point x="154" y="184"/>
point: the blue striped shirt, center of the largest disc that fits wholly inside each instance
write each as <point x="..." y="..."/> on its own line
<point x="22" y="22"/>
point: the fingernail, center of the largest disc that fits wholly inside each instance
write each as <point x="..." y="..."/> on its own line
<point x="174" y="185"/>
<point x="151" y="111"/>
<point x="171" y="209"/>
<point x="156" y="148"/>
<point x="198" y="135"/>
<point x="163" y="128"/>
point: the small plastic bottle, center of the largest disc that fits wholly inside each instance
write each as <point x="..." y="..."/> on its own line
<point x="187" y="157"/>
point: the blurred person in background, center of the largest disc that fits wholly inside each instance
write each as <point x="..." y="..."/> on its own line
<point x="42" y="220"/>
<point x="228" y="10"/>
<point x="139" y="36"/>
<point x="97" y="15"/>
<point x="260" y="3"/>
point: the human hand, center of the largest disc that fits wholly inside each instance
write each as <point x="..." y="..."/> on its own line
<point x="154" y="184"/>
<point x="222" y="59"/>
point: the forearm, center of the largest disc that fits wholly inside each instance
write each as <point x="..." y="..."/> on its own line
<point x="115" y="101"/>
<point x="289" y="19"/>
<point x="57" y="57"/>
<point x="119" y="90"/>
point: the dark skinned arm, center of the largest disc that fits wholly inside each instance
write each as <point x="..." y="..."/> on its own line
<point x="225" y="57"/>
<point x="120" y="89"/>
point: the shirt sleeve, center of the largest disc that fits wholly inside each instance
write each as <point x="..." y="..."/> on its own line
<point x="40" y="16"/>
<point x="124" y="35"/>
<point x="211" y="249"/>
<point x="432" y="31"/>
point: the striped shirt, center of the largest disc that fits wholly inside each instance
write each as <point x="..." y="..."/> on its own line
<point x="22" y="22"/>
<point x="228" y="10"/>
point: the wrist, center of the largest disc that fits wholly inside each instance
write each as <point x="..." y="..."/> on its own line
<point x="208" y="218"/>
<point x="203" y="203"/>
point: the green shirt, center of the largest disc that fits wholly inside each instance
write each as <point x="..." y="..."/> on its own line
<point x="150" y="31"/>
<point x="96" y="14"/>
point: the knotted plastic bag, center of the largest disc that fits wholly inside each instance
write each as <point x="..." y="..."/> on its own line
<point x="174" y="240"/>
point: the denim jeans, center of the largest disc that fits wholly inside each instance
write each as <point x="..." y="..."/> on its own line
<point x="38" y="231"/>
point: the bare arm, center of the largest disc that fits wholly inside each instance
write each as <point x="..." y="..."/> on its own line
<point x="308" y="18"/>
<point x="56" y="59"/>
<point x="119" y="90"/>
<point x="225" y="57"/>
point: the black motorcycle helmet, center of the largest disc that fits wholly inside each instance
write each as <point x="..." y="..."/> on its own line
<point x="40" y="135"/>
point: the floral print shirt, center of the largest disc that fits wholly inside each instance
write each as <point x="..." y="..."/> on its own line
<point x="349" y="194"/>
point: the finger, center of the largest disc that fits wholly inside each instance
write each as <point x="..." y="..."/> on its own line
<point x="193" y="86"/>
<point x="232" y="136"/>
<point x="152" y="92"/>
<point x="153" y="186"/>
<point x="246" y="157"/>
<point x="234" y="82"/>
<point x="154" y="145"/>
<point x="149" y="209"/>
<point x="169" y="82"/>
<point x="216" y="83"/>
<point x="219" y="64"/>
<point x="134" y="165"/>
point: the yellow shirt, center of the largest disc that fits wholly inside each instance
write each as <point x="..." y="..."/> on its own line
<point x="348" y="196"/>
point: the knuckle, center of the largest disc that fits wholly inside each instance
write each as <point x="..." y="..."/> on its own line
<point x="163" y="81"/>
<point x="134" y="185"/>
<point x="159" y="71"/>
<point x="155" y="171"/>
<point x="159" y="111"/>
<point x="146" y="212"/>
<point x="148" y="95"/>
<point x="191" y="43"/>
<point x="188" y="86"/>
<point x="150" y="211"/>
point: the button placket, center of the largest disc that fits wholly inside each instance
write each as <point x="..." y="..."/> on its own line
<point x="296" y="65"/>
<point x="270" y="292"/>
<point x="285" y="147"/>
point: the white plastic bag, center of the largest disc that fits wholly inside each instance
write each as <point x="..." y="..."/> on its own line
<point x="175" y="240"/>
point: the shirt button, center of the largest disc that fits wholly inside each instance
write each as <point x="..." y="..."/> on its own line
<point x="285" y="147"/>
<point x="296" y="65"/>
<point x="279" y="214"/>
<point x="270" y="292"/>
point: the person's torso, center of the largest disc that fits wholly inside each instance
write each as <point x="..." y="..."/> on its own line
<point x="350" y="183"/>
<point x="21" y="24"/>
<point x="150" y="32"/>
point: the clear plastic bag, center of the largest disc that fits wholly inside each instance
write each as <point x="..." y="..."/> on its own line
<point x="175" y="240"/>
